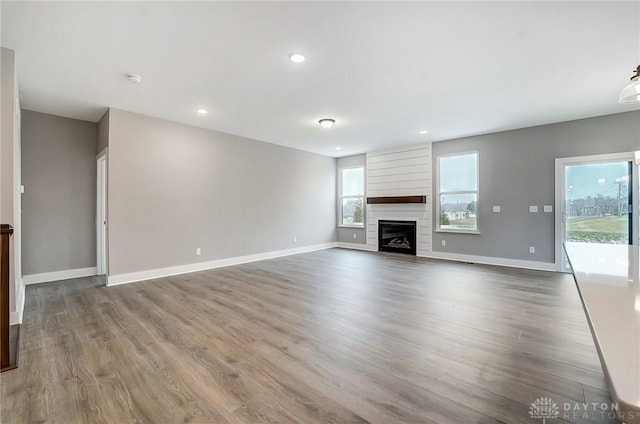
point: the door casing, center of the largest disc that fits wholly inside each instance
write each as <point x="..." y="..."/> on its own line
<point x="101" y="213"/>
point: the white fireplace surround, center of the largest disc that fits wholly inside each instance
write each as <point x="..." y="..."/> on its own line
<point x="401" y="172"/>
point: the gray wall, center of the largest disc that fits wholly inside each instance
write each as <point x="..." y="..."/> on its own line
<point x="517" y="169"/>
<point x="6" y="164"/>
<point x="103" y="132"/>
<point x="10" y="175"/>
<point x="59" y="203"/>
<point x="173" y="188"/>
<point x="345" y="234"/>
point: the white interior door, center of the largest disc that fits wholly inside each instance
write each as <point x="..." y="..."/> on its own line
<point x="595" y="201"/>
<point x="101" y="213"/>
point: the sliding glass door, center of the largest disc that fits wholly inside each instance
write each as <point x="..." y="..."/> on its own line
<point x="598" y="202"/>
<point x="594" y="197"/>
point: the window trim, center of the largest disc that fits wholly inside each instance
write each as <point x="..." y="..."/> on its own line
<point x="363" y="196"/>
<point x="476" y="192"/>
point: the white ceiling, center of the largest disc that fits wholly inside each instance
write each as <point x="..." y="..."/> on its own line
<point x="382" y="70"/>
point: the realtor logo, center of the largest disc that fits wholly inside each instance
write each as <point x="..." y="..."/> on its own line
<point x="544" y="408"/>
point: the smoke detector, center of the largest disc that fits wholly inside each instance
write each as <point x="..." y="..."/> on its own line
<point x="134" y="79"/>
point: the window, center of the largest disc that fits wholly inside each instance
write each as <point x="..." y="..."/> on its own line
<point x="352" y="197"/>
<point x="458" y="192"/>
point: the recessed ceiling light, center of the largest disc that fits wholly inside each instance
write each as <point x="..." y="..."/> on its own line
<point x="423" y="131"/>
<point x="327" y="122"/>
<point x="338" y="148"/>
<point x="201" y="111"/>
<point x="134" y="79"/>
<point x="296" y="57"/>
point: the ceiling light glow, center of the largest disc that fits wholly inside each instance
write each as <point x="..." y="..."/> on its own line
<point x="423" y="132"/>
<point x="202" y="111"/>
<point x="327" y="122"/>
<point x="297" y="57"/>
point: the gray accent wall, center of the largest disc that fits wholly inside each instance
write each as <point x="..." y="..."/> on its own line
<point x="174" y="188"/>
<point x="517" y="169"/>
<point x="345" y="234"/>
<point x="59" y="202"/>
<point x="6" y="164"/>
<point x="103" y="132"/>
<point x="10" y="176"/>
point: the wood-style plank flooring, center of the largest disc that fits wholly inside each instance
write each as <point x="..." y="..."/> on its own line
<point x="335" y="336"/>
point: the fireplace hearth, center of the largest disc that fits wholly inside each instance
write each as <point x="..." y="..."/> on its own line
<point x="397" y="236"/>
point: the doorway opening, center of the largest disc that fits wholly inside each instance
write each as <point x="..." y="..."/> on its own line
<point x="101" y="213"/>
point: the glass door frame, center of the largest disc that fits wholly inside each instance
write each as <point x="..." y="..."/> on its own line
<point x="560" y="214"/>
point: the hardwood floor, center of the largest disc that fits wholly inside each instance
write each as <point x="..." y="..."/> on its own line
<point x="335" y="336"/>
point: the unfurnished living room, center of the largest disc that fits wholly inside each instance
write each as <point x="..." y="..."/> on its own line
<point x="320" y="212"/>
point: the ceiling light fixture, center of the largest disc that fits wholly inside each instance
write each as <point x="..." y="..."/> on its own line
<point x="296" y="57"/>
<point x="338" y="148"/>
<point x="327" y="122"/>
<point x="631" y="93"/>
<point x="423" y="132"/>
<point x="134" y="79"/>
<point x="201" y="111"/>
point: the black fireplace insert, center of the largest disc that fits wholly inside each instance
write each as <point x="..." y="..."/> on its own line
<point x="397" y="236"/>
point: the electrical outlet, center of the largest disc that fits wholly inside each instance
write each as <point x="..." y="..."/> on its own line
<point x="355" y="236"/>
<point x="443" y="242"/>
<point x="533" y="209"/>
<point x="496" y="208"/>
<point x="295" y="239"/>
<point x="198" y="251"/>
<point x="532" y="249"/>
<point x="548" y="208"/>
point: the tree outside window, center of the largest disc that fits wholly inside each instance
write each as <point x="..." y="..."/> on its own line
<point x="352" y="197"/>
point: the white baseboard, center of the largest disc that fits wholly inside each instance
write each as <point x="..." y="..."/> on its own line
<point x="46" y="277"/>
<point x="487" y="260"/>
<point x="15" y="317"/>
<point x="114" y="280"/>
<point x="357" y="246"/>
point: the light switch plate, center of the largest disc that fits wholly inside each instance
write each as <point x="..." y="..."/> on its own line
<point x="496" y="208"/>
<point x="548" y="208"/>
<point x="533" y="209"/>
